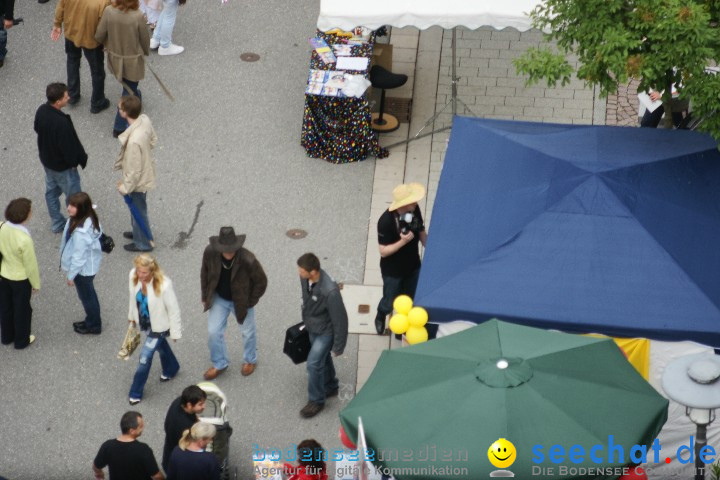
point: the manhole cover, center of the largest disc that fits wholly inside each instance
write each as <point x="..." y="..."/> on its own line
<point x="296" y="233"/>
<point x="249" y="57"/>
<point x="400" y="107"/>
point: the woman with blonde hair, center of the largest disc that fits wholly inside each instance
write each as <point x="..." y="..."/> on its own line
<point x="154" y="307"/>
<point x="189" y="460"/>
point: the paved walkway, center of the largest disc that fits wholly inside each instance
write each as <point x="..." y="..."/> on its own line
<point x="490" y="88"/>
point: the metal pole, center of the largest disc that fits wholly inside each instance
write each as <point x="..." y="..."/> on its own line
<point x="700" y="442"/>
<point x="454" y="75"/>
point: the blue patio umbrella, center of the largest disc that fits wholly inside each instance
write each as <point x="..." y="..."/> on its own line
<point x="578" y="228"/>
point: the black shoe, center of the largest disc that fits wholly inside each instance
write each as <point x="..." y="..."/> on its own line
<point x="311" y="409"/>
<point x="332" y="393"/>
<point x="131" y="247"/>
<point x="163" y="378"/>
<point x="116" y="133"/>
<point x="398" y="336"/>
<point x="380" y="323"/>
<point x="78" y="324"/>
<point x="83" y="330"/>
<point x="103" y="105"/>
<point x="73" y="100"/>
<point x="2" y="62"/>
<point x="43" y="1"/>
<point x="128" y="235"/>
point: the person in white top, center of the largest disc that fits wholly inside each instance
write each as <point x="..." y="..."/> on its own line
<point x="154" y="307"/>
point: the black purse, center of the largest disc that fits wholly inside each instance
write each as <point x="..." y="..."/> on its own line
<point x="106" y="243"/>
<point x="297" y="343"/>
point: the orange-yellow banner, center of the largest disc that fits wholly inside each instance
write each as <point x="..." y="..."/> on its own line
<point x="636" y="350"/>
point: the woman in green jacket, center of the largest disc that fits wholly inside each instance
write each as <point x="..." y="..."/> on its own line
<point x="19" y="274"/>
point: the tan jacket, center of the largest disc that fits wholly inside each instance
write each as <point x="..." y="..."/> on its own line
<point x="126" y="40"/>
<point x="136" y="158"/>
<point x="80" y="19"/>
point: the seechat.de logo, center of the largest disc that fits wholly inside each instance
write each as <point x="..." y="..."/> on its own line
<point x="502" y="454"/>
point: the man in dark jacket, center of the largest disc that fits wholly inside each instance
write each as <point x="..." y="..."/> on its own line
<point x="60" y="151"/>
<point x="181" y="415"/>
<point x="326" y="320"/>
<point x="6" y="22"/>
<point x="231" y="281"/>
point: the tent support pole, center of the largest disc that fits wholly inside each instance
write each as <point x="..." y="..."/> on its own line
<point x="454" y="100"/>
<point x="454" y="72"/>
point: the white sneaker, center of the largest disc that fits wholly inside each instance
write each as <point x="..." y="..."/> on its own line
<point x="154" y="44"/>
<point x="171" y="50"/>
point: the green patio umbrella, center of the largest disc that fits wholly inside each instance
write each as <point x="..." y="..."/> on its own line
<point x="431" y="410"/>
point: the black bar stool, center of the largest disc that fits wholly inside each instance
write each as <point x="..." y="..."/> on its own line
<point x="384" y="79"/>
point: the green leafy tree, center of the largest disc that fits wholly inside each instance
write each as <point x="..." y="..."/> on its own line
<point x="660" y="42"/>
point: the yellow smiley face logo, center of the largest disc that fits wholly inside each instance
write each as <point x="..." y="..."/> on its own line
<point x="502" y="453"/>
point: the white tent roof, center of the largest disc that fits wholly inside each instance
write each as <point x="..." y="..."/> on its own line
<point x="423" y="14"/>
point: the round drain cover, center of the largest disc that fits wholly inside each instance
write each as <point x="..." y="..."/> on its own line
<point x="296" y="233"/>
<point x="249" y="57"/>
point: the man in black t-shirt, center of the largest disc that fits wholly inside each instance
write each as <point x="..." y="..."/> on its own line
<point x="181" y="415"/>
<point x="400" y="229"/>
<point x="125" y="457"/>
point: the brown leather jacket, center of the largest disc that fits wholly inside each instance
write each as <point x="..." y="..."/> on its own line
<point x="247" y="280"/>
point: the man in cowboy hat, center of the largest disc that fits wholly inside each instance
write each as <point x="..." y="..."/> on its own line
<point x="231" y="281"/>
<point x="400" y="228"/>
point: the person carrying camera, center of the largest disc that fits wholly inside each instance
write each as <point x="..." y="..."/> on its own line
<point x="400" y="229"/>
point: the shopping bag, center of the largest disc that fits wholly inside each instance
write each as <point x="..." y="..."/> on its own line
<point x="131" y="342"/>
<point x="297" y="343"/>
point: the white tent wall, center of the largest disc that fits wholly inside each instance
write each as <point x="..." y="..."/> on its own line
<point x="423" y="14"/>
<point x="677" y="430"/>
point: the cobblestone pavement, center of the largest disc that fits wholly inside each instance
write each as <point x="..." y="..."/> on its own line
<point x="622" y="108"/>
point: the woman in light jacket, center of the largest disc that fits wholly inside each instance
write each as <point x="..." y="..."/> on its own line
<point x="123" y="32"/>
<point x="19" y="275"/>
<point x="154" y="307"/>
<point x="80" y="257"/>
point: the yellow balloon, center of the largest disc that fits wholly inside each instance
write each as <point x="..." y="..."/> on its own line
<point x="399" y="323"/>
<point x="418" y="317"/>
<point x="416" y="335"/>
<point x="403" y="304"/>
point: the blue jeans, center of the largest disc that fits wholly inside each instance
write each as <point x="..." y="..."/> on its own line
<point x="120" y="123"/>
<point x="88" y="297"/>
<point x="395" y="286"/>
<point x="96" y="60"/>
<point x="217" y="323"/>
<point x="170" y="365"/>
<point x="66" y="182"/>
<point x="141" y="240"/>
<point x="321" y="371"/>
<point x="3" y="38"/>
<point x="166" y="23"/>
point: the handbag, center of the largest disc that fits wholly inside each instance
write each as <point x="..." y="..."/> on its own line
<point x="297" y="343"/>
<point x="131" y="342"/>
<point x="106" y="243"/>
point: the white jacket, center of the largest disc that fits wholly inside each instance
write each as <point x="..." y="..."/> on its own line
<point x="164" y="309"/>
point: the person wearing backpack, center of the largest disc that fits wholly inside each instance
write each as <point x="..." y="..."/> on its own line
<point x="80" y="258"/>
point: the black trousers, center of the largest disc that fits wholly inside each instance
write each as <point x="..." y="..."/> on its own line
<point x="96" y="60"/>
<point x="15" y="312"/>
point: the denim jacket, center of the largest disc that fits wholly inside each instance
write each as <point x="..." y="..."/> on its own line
<point x="81" y="254"/>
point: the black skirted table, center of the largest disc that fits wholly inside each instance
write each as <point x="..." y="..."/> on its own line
<point x="338" y="128"/>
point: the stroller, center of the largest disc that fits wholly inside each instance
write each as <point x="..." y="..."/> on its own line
<point x="216" y="413"/>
